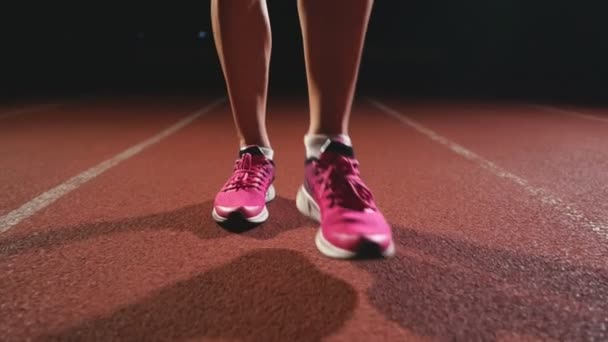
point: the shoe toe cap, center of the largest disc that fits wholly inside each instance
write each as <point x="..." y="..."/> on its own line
<point x="350" y="231"/>
<point x="247" y="211"/>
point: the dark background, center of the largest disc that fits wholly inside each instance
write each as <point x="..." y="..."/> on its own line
<point x="480" y="48"/>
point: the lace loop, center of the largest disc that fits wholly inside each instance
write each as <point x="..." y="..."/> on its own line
<point x="246" y="174"/>
<point x="343" y="185"/>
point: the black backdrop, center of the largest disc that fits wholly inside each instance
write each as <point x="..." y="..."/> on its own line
<point x="509" y="48"/>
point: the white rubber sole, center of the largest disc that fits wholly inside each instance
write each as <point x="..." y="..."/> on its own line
<point x="309" y="208"/>
<point x="259" y="218"/>
<point x="307" y="205"/>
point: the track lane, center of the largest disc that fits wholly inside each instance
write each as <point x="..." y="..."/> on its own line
<point x="563" y="154"/>
<point x="43" y="150"/>
<point x="479" y="258"/>
<point x="139" y="214"/>
<point x="136" y="249"/>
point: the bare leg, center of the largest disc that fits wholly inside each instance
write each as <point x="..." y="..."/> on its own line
<point x="241" y="29"/>
<point x="334" y="33"/>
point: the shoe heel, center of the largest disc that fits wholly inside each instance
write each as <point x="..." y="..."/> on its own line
<point x="306" y="205"/>
<point x="270" y="194"/>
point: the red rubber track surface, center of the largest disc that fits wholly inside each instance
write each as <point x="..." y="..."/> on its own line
<point x="42" y="149"/>
<point x="133" y="254"/>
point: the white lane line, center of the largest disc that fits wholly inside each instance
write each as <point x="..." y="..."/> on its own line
<point x="42" y="107"/>
<point x="30" y="208"/>
<point x="31" y="109"/>
<point x="573" y="215"/>
<point x="570" y="112"/>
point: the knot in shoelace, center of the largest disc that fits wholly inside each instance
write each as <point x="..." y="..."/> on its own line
<point x="343" y="185"/>
<point x="246" y="175"/>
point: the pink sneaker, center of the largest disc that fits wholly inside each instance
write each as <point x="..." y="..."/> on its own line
<point x="334" y="195"/>
<point x="249" y="188"/>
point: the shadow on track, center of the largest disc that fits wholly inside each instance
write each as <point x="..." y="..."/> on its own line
<point x="195" y="219"/>
<point x="264" y="295"/>
<point x="459" y="291"/>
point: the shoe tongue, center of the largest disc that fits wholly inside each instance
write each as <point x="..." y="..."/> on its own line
<point x="245" y="162"/>
<point x="252" y="150"/>
<point x="337" y="147"/>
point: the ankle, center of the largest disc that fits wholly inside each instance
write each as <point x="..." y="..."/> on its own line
<point x="314" y="142"/>
<point x="260" y="142"/>
<point x="267" y="151"/>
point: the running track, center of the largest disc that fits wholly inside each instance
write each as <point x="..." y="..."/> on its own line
<point x="500" y="213"/>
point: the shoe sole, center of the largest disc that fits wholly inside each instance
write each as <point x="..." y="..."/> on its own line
<point x="309" y="208"/>
<point x="259" y="218"/>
